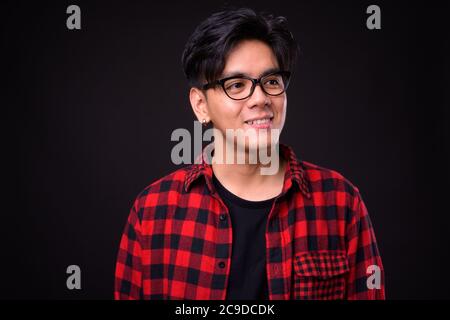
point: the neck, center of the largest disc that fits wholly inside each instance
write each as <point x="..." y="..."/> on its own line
<point x="245" y="178"/>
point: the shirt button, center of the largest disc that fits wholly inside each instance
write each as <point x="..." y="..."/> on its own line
<point x="223" y="217"/>
<point x="275" y="270"/>
<point x="221" y="264"/>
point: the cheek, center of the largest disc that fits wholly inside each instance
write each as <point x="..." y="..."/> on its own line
<point x="225" y="113"/>
<point x="230" y="118"/>
<point x="281" y="106"/>
<point x="280" y="110"/>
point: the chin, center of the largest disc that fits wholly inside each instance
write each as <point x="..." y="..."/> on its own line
<point x="260" y="143"/>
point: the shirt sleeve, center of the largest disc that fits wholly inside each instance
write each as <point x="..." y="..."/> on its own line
<point x="128" y="274"/>
<point x="366" y="273"/>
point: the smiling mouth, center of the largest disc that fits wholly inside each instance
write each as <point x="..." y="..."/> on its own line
<point x="265" y="123"/>
<point x="260" y="122"/>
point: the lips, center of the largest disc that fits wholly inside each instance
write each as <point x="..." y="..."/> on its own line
<point x="260" y="122"/>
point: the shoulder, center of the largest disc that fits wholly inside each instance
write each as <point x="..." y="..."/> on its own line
<point x="334" y="193"/>
<point x="164" y="190"/>
<point x="323" y="179"/>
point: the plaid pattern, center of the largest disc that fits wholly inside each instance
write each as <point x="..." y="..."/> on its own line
<point x="177" y="240"/>
<point x="320" y="275"/>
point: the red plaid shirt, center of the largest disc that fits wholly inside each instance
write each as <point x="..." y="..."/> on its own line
<point x="178" y="238"/>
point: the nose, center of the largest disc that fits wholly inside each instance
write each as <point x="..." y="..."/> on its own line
<point x="259" y="97"/>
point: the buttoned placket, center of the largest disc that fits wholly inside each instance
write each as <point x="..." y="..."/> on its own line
<point x="224" y="237"/>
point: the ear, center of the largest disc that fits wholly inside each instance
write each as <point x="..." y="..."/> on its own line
<point x="199" y="104"/>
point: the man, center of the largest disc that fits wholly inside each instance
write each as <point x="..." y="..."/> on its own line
<point x="224" y="230"/>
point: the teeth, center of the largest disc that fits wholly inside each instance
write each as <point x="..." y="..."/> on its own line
<point x="259" y="121"/>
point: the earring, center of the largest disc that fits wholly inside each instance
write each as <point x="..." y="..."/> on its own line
<point x="204" y="122"/>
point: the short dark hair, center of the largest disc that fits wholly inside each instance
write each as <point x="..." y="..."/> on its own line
<point x="206" y="50"/>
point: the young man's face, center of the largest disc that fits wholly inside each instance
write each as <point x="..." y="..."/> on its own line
<point x="251" y="58"/>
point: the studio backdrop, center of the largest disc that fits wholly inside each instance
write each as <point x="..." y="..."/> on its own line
<point x="89" y="111"/>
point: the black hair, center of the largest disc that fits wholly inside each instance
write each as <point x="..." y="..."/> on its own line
<point x="206" y="50"/>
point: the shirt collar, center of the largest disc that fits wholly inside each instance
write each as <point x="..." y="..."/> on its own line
<point x="294" y="171"/>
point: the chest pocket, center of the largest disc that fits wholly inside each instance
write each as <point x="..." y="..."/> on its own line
<point x="320" y="275"/>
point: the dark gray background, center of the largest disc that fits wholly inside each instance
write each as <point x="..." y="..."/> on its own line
<point x="88" y="117"/>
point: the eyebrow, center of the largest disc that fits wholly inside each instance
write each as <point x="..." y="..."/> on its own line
<point x="241" y="74"/>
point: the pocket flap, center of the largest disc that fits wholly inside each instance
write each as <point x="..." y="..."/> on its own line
<point x="323" y="264"/>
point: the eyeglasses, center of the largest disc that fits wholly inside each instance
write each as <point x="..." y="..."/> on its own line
<point x="242" y="87"/>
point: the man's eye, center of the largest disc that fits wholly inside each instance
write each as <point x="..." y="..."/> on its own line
<point x="235" y="85"/>
<point x="272" y="82"/>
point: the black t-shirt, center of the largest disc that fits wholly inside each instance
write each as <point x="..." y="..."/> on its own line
<point x="248" y="277"/>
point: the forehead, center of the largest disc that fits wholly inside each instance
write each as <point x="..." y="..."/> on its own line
<point x="250" y="57"/>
